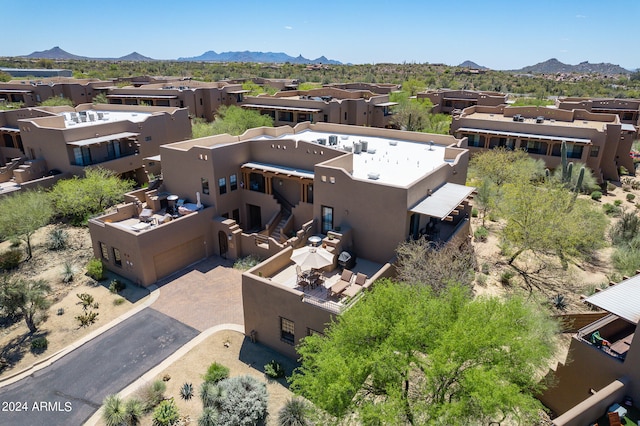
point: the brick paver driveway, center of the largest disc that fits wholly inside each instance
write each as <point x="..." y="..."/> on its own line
<point x="204" y="295"/>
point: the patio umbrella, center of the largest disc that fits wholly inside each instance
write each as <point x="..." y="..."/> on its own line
<point x="312" y="257"/>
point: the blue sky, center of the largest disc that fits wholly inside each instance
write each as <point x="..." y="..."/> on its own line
<point x="496" y="34"/>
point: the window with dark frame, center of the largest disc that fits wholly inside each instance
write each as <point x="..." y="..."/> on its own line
<point x="104" y="251"/>
<point x="222" y="185"/>
<point x="287" y="331"/>
<point x="233" y="182"/>
<point x="116" y="257"/>
<point x="205" y="185"/>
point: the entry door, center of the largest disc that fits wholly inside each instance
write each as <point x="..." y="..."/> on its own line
<point x="255" y="217"/>
<point x="224" y="245"/>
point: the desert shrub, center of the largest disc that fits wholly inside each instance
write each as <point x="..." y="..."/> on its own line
<point x="209" y="417"/>
<point x="626" y="229"/>
<point x="10" y="259"/>
<point x="57" y="239"/>
<point x="505" y="277"/>
<point x="132" y="412"/>
<point x="166" y="413"/>
<point x="186" y="391"/>
<point x="86" y="300"/>
<point x="212" y="395"/>
<point x="474" y="212"/>
<point x="611" y="210"/>
<point x="15" y="242"/>
<point x="596" y="195"/>
<point x="617" y="203"/>
<point x="119" y="301"/>
<point x="610" y="187"/>
<point x="95" y="269"/>
<point x="116" y="286"/>
<point x="559" y="302"/>
<point x="481" y="279"/>
<point x="87" y="318"/>
<point x="631" y="197"/>
<point x="215" y="373"/>
<point x="274" y="369"/>
<point x="485" y="268"/>
<point x="626" y="260"/>
<point x="113" y="412"/>
<point x="245" y="403"/>
<point x="481" y="234"/>
<point x="294" y="412"/>
<point x="39" y="344"/>
<point x="68" y="271"/>
<point x="247" y="262"/>
<point x="151" y="395"/>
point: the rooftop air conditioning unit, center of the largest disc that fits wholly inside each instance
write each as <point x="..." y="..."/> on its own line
<point x="373" y="175"/>
<point x="516" y="117"/>
<point x="540" y="119"/>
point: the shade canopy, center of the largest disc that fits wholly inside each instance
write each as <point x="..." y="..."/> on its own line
<point x="312" y="257"/>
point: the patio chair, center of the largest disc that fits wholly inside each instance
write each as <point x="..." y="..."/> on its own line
<point x="352" y="290"/>
<point x="343" y="282"/>
<point x="614" y="419"/>
<point x="361" y="279"/>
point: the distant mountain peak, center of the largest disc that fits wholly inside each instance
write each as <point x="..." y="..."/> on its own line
<point x="473" y="65"/>
<point x="552" y="66"/>
<point x="260" y="57"/>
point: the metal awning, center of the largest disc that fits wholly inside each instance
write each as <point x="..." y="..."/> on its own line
<point x="280" y="108"/>
<point x="15" y="91"/>
<point x="144" y="96"/>
<point x="386" y="104"/>
<point x="10" y="129"/>
<point x="524" y="135"/>
<point x="628" y="127"/>
<point x="235" y="92"/>
<point x="274" y="168"/>
<point x="443" y="201"/>
<point x="622" y="300"/>
<point x="93" y="141"/>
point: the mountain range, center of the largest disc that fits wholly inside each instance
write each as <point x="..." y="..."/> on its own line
<point x="550" y="66"/>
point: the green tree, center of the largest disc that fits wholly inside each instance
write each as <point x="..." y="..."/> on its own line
<point x="78" y="198"/>
<point x="100" y="98"/>
<point x="485" y="197"/>
<point x="57" y="101"/>
<point x="548" y="219"/>
<point x="26" y="298"/>
<point x="406" y="355"/>
<point x="235" y="120"/>
<point x="501" y="166"/>
<point x="23" y="214"/>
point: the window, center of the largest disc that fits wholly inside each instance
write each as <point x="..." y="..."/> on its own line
<point x="345" y="116"/>
<point x="200" y="101"/>
<point x="104" y="251"/>
<point x="595" y="150"/>
<point x="325" y="118"/>
<point x="475" y="140"/>
<point x="205" y="185"/>
<point x="327" y="219"/>
<point x="222" y="185"/>
<point x="312" y="332"/>
<point x="287" y="331"/>
<point x="573" y="150"/>
<point x="233" y="182"/>
<point x="147" y="138"/>
<point x="285" y="116"/>
<point x="116" y="257"/>
<point x="535" y="147"/>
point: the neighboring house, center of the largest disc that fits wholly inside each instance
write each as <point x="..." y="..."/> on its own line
<point x="378" y="88"/>
<point x="600" y="141"/>
<point x="115" y="137"/>
<point x="447" y="101"/>
<point x="627" y="109"/>
<point x="325" y="105"/>
<point x="202" y="99"/>
<point x="37" y="72"/>
<point x="361" y="189"/>
<point x="31" y="93"/>
<point x="603" y="359"/>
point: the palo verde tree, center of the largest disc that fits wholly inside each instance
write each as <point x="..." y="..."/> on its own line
<point x="235" y="120"/>
<point x="26" y="298"/>
<point x="22" y="214"/>
<point x="548" y="219"/>
<point x="78" y="198"/>
<point x="405" y="355"/>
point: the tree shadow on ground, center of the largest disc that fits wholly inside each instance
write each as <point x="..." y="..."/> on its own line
<point x="17" y="347"/>
<point x="256" y="355"/>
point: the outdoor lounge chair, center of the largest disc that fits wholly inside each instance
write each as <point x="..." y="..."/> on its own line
<point x="361" y="279"/>
<point x="352" y="290"/>
<point x="343" y="282"/>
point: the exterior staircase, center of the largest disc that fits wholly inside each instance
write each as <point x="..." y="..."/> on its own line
<point x="285" y="213"/>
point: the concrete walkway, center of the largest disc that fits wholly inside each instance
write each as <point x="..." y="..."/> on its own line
<point x="205" y="297"/>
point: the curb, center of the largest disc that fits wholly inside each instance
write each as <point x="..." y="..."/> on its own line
<point x="153" y="296"/>
<point x="149" y="375"/>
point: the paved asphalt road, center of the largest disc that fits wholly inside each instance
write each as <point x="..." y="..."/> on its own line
<point x="70" y="390"/>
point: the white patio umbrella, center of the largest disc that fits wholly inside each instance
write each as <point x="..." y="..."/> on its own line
<point x="312" y="257"/>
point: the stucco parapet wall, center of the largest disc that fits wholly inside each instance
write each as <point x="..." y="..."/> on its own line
<point x="593" y="407"/>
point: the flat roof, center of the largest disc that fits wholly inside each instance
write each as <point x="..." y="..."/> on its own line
<point x="622" y="299"/>
<point x="443" y="201"/>
<point x="92" y="141"/>
<point x="144" y="96"/>
<point x="524" y="135"/>
<point x="578" y="123"/>
<point x="392" y="161"/>
<point x="281" y="108"/>
<point x="98" y="117"/>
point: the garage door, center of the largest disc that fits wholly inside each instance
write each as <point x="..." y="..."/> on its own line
<point x="170" y="261"/>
